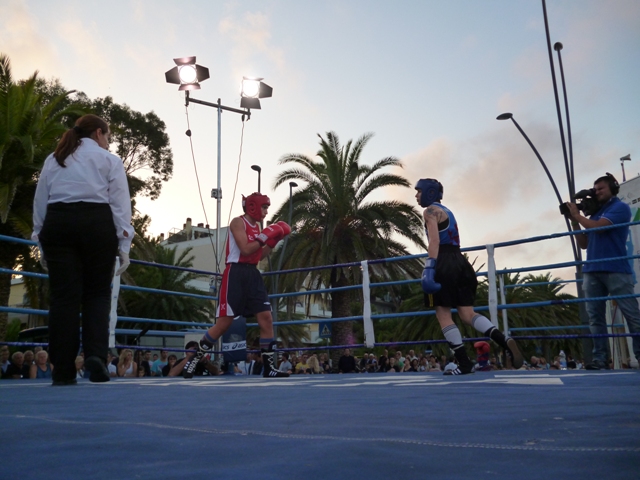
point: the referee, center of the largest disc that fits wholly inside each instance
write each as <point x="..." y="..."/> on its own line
<point x="82" y="221"/>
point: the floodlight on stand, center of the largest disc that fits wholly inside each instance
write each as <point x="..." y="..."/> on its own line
<point x="252" y="90"/>
<point x="626" y="158"/>
<point x="187" y="73"/>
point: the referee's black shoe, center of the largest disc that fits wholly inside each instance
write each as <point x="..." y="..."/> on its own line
<point x="98" y="372"/>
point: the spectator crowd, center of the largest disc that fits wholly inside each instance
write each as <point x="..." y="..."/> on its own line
<point x="32" y="364"/>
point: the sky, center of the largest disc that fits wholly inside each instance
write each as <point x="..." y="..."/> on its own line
<point x="427" y="78"/>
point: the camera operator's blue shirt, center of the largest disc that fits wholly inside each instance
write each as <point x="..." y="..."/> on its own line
<point x="610" y="243"/>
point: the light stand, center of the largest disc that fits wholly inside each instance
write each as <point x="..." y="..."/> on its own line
<point x="188" y="75"/>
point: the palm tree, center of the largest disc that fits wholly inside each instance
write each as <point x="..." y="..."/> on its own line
<point x="158" y="306"/>
<point x="335" y="222"/>
<point x="30" y="126"/>
<point x="554" y="315"/>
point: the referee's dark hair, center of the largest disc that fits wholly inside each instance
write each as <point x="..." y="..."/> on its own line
<point x="70" y="141"/>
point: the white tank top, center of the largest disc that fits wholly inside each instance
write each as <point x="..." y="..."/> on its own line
<point x="233" y="251"/>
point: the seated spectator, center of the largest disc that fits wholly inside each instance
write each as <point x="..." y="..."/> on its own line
<point x="29" y="358"/>
<point x="303" y="366"/>
<point x="372" y="364"/>
<point x="423" y="365"/>
<point x="347" y="362"/>
<point x="314" y="364"/>
<point x="146" y="363"/>
<point x="41" y="368"/>
<point x="399" y="360"/>
<point x="443" y="361"/>
<point x="80" y="367"/>
<point x="544" y="364"/>
<point x="4" y="359"/>
<point x="362" y="365"/>
<point x="16" y="369"/>
<point x="256" y="359"/>
<point x="246" y="365"/>
<point x="204" y="368"/>
<point x="171" y="361"/>
<point x="414" y="365"/>
<point x="383" y="362"/>
<point x="434" y="366"/>
<point x="141" y="371"/>
<point x="534" y="363"/>
<point x="126" y="366"/>
<point x="285" y="364"/>
<point x="325" y="363"/>
<point x="113" y="368"/>
<point x="159" y="363"/>
<point x="393" y="365"/>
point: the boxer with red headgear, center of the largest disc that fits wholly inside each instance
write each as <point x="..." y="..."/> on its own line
<point x="242" y="291"/>
<point x="252" y="205"/>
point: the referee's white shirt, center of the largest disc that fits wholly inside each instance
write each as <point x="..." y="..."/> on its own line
<point x="92" y="174"/>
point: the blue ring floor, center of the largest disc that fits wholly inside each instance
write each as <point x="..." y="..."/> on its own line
<point x="520" y="425"/>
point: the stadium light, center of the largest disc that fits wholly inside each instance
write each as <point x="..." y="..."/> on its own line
<point x="253" y="89"/>
<point x="187" y="74"/>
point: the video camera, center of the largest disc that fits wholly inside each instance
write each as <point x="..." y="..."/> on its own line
<point x="588" y="205"/>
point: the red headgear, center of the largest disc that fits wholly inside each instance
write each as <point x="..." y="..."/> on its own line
<point x="252" y="205"/>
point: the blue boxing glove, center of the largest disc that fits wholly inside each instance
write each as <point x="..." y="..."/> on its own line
<point x="429" y="285"/>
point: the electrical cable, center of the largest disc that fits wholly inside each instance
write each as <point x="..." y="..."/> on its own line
<point x="233" y="197"/>
<point x="193" y="157"/>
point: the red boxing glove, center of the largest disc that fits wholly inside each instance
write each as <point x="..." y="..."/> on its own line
<point x="272" y="242"/>
<point x="269" y="233"/>
<point x="285" y="227"/>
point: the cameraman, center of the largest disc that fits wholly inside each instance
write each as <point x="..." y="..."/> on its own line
<point x="611" y="277"/>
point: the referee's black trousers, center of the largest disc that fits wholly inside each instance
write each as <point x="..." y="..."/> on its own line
<point x="80" y="244"/>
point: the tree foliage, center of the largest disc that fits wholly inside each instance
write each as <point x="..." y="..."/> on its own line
<point x="335" y="221"/>
<point x="30" y="126"/>
<point x="160" y="306"/>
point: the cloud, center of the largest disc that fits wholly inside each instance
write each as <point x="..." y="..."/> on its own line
<point x="21" y="38"/>
<point x="488" y="172"/>
<point x="251" y="38"/>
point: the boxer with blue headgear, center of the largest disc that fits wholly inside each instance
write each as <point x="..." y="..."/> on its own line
<point x="431" y="191"/>
<point x="449" y="281"/>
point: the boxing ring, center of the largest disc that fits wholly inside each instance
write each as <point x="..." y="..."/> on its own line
<point x="521" y="424"/>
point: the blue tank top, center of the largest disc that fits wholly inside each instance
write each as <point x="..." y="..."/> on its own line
<point x="448" y="230"/>
<point x="43" y="373"/>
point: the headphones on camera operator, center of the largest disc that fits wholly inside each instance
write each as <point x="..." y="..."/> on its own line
<point x="589" y="204"/>
<point x="614" y="186"/>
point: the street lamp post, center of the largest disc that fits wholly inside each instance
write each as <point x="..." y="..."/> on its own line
<point x="259" y="170"/>
<point x="577" y="254"/>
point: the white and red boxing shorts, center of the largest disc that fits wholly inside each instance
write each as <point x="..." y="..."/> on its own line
<point x="242" y="291"/>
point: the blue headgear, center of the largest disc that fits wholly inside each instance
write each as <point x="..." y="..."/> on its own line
<point x="431" y="189"/>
